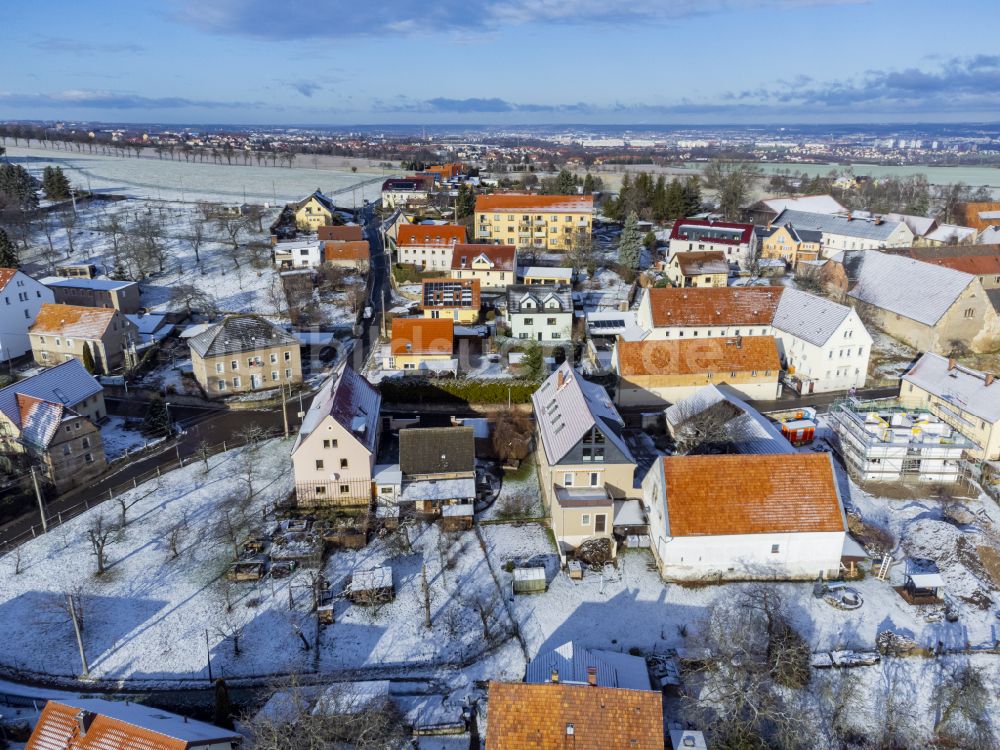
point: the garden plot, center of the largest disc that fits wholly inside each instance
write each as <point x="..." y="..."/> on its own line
<point x="153" y="616"/>
<point x="519" y="495"/>
<point x="462" y="595"/>
<point x="120" y="440"/>
<point x="176" y="179"/>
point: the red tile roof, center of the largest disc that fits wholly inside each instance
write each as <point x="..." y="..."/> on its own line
<point x="6" y="274"/>
<point x="551" y="716"/>
<point x="73" y="320"/>
<point x="351" y="233"/>
<point x="430" y="234"/>
<point x="735" y="305"/>
<point x="685" y="229"/>
<point x="353" y="251"/>
<point x="429" y="336"/>
<point x="529" y="202"/>
<point x="696" y="356"/>
<point x="751" y="494"/>
<point x="503" y="257"/>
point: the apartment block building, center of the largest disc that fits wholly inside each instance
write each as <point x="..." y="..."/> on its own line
<point x="543" y="222"/>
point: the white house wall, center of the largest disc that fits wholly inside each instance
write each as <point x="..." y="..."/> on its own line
<point x="20" y="302"/>
<point x="539" y="330"/>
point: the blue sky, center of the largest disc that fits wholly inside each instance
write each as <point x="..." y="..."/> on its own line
<point x="486" y="62"/>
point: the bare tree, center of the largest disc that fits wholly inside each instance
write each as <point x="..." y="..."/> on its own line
<point x="426" y="591"/>
<point x="703" y="431"/>
<point x="123" y="507"/>
<point x="232" y="627"/>
<point x="67" y="220"/>
<point x="193" y="299"/>
<point x="233" y="227"/>
<point x="100" y="533"/>
<point x="196" y="235"/>
<point x="176" y="535"/>
<point x="962" y="695"/>
<point x="511" y="438"/>
<point x="233" y="524"/>
<point x="48" y="253"/>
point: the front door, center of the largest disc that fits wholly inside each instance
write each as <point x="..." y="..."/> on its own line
<point x="255" y="381"/>
<point x="539" y="335"/>
<point x="600" y="521"/>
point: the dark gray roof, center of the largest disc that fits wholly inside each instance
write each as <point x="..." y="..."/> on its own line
<point x="862" y="228"/>
<point x="240" y="333"/>
<point x="540" y="294"/>
<point x="351" y="400"/>
<point x="67" y="384"/>
<point x="436" y="450"/>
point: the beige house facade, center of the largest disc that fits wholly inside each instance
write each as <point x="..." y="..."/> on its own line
<point x="62" y="332"/>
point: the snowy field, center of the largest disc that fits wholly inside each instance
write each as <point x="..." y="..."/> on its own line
<point x="164" y="179"/>
<point x="232" y="285"/>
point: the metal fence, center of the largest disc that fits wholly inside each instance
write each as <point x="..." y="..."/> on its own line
<point x="62" y="516"/>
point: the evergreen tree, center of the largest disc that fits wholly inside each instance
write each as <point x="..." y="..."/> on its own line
<point x="156" y="421"/>
<point x="565" y="183"/>
<point x="588" y="184"/>
<point x="692" y="196"/>
<point x="88" y="359"/>
<point x="18" y="187"/>
<point x="8" y="253"/>
<point x="533" y="364"/>
<point x="466" y="201"/>
<point x="60" y="185"/>
<point x="223" y="709"/>
<point x="630" y="244"/>
<point x="660" y="199"/>
<point x="675" y="202"/>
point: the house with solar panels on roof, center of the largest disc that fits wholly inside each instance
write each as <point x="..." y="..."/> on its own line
<point x="585" y="467"/>
<point x="333" y="458"/>
<point x="745" y="516"/>
<point x="242" y="354"/>
<point x="52" y="419"/>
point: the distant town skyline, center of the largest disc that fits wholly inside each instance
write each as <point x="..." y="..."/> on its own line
<point x="493" y="63"/>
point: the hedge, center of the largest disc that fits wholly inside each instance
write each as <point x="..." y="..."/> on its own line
<point x="409" y="390"/>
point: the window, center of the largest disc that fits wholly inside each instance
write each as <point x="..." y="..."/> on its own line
<point x="598" y="454"/>
<point x="274" y="374"/>
<point x="319" y="464"/>
<point x="26" y="314"/>
<point x="529" y="321"/>
<point x="85" y="442"/>
<point x="219" y="367"/>
<point x="320" y="489"/>
<point x="970" y="312"/>
<point x="585" y="519"/>
<point x="343" y="463"/>
<point x="600" y="523"/>
<point x="221" y="385"/>
<point x="236" y="382"/>
<point x="58" y="342"/>
<point x="775" y="549"/>
<point x="345" y="489"/>
<point x="274" y="358"/>
<point x="550" y="321"/>
<point x="568" y="479"/>
<point x="88" y="457"/>
<point x="45" y="356"/>
<point x="288" y="356"/>
<point x="288" y="374"/>
<point x="594" y="478"/>
<point x="234" y="365"/>
<point x="329" y="443"/>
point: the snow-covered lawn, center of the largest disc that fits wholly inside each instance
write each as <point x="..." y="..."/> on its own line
<point x="118" y="440"/>
<point x="179" y="180"/>
<point x="518" y="493"/>
<point x="890" y="358"/>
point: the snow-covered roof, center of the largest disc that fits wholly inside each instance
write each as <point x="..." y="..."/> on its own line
<point x="374" y="578"/>
<point x="387" y="474"/>
<point x="546" y="272"/>
<point x="567" y="406"/>
<point x="571" y="661"/>
<point x="194" y="330"/>
<point x="927" y="580"/>
<point x="437" y="490"/>
<point x="459" y="510"/>
<point x="912" y="288"/>
<point x="614" y="323"/>
<point x="863" y="228"/>
<point x="750" y="432"/>
<point x="352" y="401"/>
<point x="149" y="324"/>
<point x="808" y="317"/>
<point x="239" y="333"/>
<point x="628" y="513"/>
<point x="962" y="386"/>
<point x="989" y="236"/>
<point x="682" y="739"/>
<point x="951" y="233"/>
<point x="101" y="285"/>
<point x="820" y="204"/>
<point x="351" y="697"/>
<point x="68" y="384"/>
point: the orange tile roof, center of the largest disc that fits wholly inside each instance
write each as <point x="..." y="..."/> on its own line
<point x="529" y="202"/>
<point x="447" y="292"/>
<point x="977" y="265"/>
<point x="540" y="717"/>
<point x="330" y="233"/>
<point x="751" y="494"/>
<point x="502" y="256"/>
<point x="430" y="234"/>
<point x="73" y="320"/>
<point x="6" y="274"/>
<point x="57" y="729"/>
<point x="696" y="356"/>
<point x="734" y="305"/>
<point x="356" y="251"/>
<point x="431" y="336"/>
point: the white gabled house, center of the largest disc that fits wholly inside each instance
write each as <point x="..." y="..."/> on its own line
<point x="21" y="297"/>
<point x="732" y="517"/>
<point x="540" y="312"/>
<point x="298" y="254"/>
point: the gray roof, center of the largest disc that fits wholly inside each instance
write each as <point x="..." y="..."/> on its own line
<point x="567" y="407"/>
<point x="436" y="450"/>
<point x="68" y="383"/>
<point x="862" y="228"/>
<point x="153" y="719"/>
<point x="817" y="203"/>
<point x="571" y="661"/>
<point x="962" y="386"/>
<point x="351" y="400"/>
<point x="912" y="288"/>
<point x="240" y="333"/>
<point x="808" y="317"/>
<point x="749" y="431"/>
<point x="517" y="294"/>
<point x="102" y="285"/>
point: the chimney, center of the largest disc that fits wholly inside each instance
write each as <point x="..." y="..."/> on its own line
<point x="554" y="677"/>
<point x="592" y="676"/>
<point x="560" y="379"/>
<point x="951" y="363"/>
<point x="989" y="379"/>
<point x="83" y="721"/>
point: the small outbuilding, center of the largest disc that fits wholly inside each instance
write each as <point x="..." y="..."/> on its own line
<point x="373" y="586"/>
<point x="530" y="580"/>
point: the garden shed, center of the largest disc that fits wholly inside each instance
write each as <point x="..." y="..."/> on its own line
<point x="373" y="586"/>
<point x="530" y="580"/>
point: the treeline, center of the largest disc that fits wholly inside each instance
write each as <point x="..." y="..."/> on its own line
<point x="654" y="200"/>
<point x="564" y="183"/>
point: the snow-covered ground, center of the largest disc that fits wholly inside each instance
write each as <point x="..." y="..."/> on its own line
<point x="166" y="179"/>
<point x="118" y="440"/>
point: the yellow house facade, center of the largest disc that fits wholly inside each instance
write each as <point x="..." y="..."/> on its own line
<point x="543" y="222"/>
<point x="791" y="245"/>
<point x="314" y="212"/>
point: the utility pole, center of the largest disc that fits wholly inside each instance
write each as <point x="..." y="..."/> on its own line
<point x="284" y="410"/>
<point x="41" y="504"/>
<point x="208" y="657"/>
<point x="79" y="637"/>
